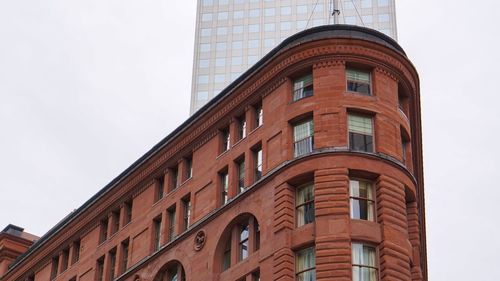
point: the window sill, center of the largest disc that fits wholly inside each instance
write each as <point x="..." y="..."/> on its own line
<point x="255" y="129"/>
<point x="297" y="100"/>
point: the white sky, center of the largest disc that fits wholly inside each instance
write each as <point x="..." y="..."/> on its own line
<point x="87" y="87"/>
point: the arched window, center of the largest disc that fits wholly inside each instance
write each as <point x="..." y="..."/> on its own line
<point x="239" y="241"/>
<point x="172" y="271"/>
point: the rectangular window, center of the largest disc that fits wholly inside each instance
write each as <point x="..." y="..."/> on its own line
<point x="186" y="212"/>
<point x="303" y="87"/>
<point x="259" y="115"/>
<point x="76" y="252"/>
<point x="115" y="218"/>
<point x="305" y="265"/>
<point x="364" y="263"/>
<point x="226" y="260"/>
<point x="157" y="234"/>
<point x="99" y="269"/>
<point x="305" y="204"/>
<point x="174" y="174"/>
<point x="257" y="154"/>
<point x="303" y="137"/>
<point x="224" y="179"/>
<point x="160" y="187"/>
<point x="358" y="81"/>
<point x="242" y="127"/>
<point x="65" y="259"/>
<point x="362" y="200"/>
<point x="189" y="167"/>
<point x="241" y="175"/>
<point x="226" y="139"/>
<point x="55" y="266"/>
<point x="360" y="133"/>
<point x="103" y="235"/>
<point x="112" y="264"/>
<point x="128" y="212"/>
<point x="171" y="223"/>
<point x="243" y="242"/>
<point x="124" y="261"/>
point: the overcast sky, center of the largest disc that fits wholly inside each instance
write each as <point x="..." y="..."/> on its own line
<point x="88" y="86"/>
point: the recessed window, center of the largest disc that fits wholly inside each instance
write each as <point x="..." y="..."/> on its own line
<point x="128" y="212"/>
<point x="103" y="230"/>
<point x="222" y="16"/>
<point x="65" y="259"/>
<point x="115" y="221"/>
<point x="257" y="155"/>
<point x="362" y="200"/>
<point x="358" y="81"/>
<point x="220" y="46"/>
<point x="76" y="252"/>
<point x="203" y="79"/>
<point x="226" y="257"/>
<point x="174" y="177"/>
<point x="222" y="31"/>
<point x="303" y="87"/>
<point x="171" y="223"/>
<point x="243" y="241"/>
<point x="305" y="204"/>
<point x="303" y="137"/>
<point x="240" y="165"/>
<point x="364" y="263"/>
<point x="124" y="258"/>
<point x="237" y="45"/>
<point x="112" y="263"/>
<point x="186" y="212"/>
<point x="302" y="9"/>
<point x="204" y="63"/>
<point x="220" y="62"/>
<point x="269" y="27"/>
<point x="157" y="233"/>
<point x="224" y="187"/>
<point x="305" y="265"/>
<point x="99" y="271"/>
<point x="54" y="267"/>
<point x="259" y="115"/>
<point x="205" y="32"/>
<point x="225" y="137"/>
<point x="204" y="48"/>
<point x="253" y="44"/>
<point x="189" y="166"/>
<point x="252" y="28"/>
<point x="360" y="133"/>
<point x="241" y="127"/>
<point x="238" y="29"/>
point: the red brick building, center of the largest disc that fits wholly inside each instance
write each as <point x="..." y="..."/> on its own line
<point x="307" y="167"/>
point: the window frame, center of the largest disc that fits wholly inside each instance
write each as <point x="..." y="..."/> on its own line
<point x="297" y="272"/>
<point x="308" y="119"/>
<point x="359" y="70"/>
<point x="361" y="266"/>
<point x="304" y="93"/>
<point x="297" y="205"/>
<point x="350" y="142"/>
<point x="373" y="200"/>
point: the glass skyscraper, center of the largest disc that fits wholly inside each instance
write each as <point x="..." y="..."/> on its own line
<point x="231" y="35"/>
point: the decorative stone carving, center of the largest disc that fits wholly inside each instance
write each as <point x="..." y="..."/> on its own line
<point x="199" y="240"/>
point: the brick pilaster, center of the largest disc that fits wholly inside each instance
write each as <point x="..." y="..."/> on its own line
<point x="283" y="259"/>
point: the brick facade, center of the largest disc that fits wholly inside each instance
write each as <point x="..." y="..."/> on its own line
<point x="199" y="244"/>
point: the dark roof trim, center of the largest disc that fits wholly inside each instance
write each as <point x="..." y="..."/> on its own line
<point x="308" y="35"/>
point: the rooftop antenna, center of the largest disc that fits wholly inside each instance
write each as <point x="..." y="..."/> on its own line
<point x="335" y="12"/>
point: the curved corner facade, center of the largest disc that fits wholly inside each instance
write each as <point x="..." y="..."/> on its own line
<point x="307" y="167"/>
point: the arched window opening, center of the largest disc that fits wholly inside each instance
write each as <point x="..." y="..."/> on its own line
<point x="172" y="271"/>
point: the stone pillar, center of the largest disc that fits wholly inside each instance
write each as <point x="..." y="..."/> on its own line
<point x="393" y="251"/>
<point x="331" y="201"/>
<point x="414" y="235"/>
<point x="284" y="208"/>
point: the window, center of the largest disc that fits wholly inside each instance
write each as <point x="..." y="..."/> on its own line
<point x="383" y="3"/>
<point x="269" y="12"/>
<point x="99" y="269"/>
<point x="189" y="167"/>
<point x="364" y="263"/>
<point x="252" y="59"/>
<point x="305" y="204"/>
<point x="160" y="187"/>
<point x="269" y="27"/>
<point x="206" y="17"/>
<point x="242" y="127"/>
<point x="358" y="81"/>
<point x="238" y="29"/>
<point x="222" y="16"/>
<point x="362" y="200"/>
<point x="238" y="14"/>
<point x="76" y="252"/>
<point x="257" y="155"/>
<point x="103" y="230"/>
<point x="303" y="137"/>
<point x="128" y="212"/>
<point x="124" y="261"/>
<point x="302" y="9"/>
<point x="174" y="175"/>
<point x="360" y="133"/>
<point x="55" y="266"/>
<point x="285" y="25"/>
<point x="224" y="180"/>
<point x="269" y="42"/>
<point x="286" y="10"/>
<point x="243" y="241"/>
<point x="205" y="32"/>
<point x="171" y="223"/>
<point x="253" y="28"/>
<point x="226" y="139"/>
<point x="366" y="3"/>
<point x="220" y="62"/>
<point x="383" y="18"/>
<point x="115" y="218"/>
<point x="302" y="87"/>
<point x="241" y="174"/>
<point x="253" y="44"/>
<point x="207" y="2"/>
<point x="203" y="79"/>
<point x="186" y="204"/>
<point x="256" y="276"/>
<point x="305" y="265"/>
<point x="254" y="13"/>
<point x="236" y="61"/>
<point x="157" y="234"/>
<point x="259" y="115"/>
<point x="221" y="46"/>
<point x="226" y="257"/>
<point x="112" y="264"/>
<point x="221" y="30"/>
<point x="237" y="45"/>
<point x="368" y="19"/>
<point x="65" y="259"/>
<point x="205" y="47"/>
<point x="204" y="63"/>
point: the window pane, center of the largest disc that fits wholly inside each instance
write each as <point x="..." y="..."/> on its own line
<point x="360" y="124"/>
<point x="305" y="263"/>
<point x="303" y="87"/>
<point x="303" y="130"/>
